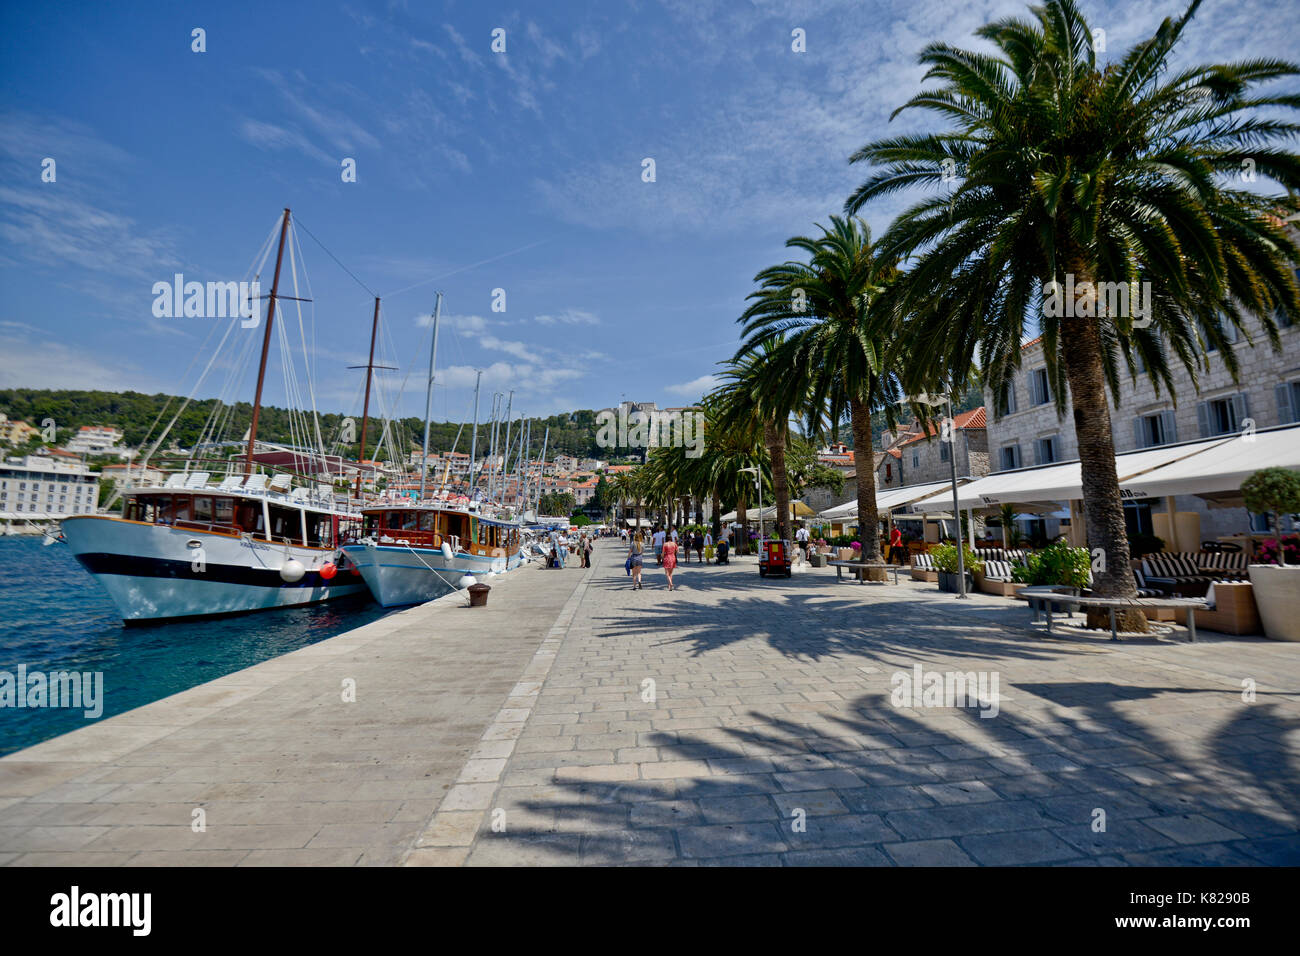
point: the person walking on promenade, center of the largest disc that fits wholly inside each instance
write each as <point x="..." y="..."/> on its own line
<point x="587" y="545"/>
<point x="563" y="550"/>
<point x="658" y="538"/>
<point x="802" y="537"/>
<point x="670" y="560"/>
<point x="896" y="545"/>
<point x="635" y="558"/>
<point x="697" y="543"/>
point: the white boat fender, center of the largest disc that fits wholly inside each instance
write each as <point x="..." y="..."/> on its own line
<point x="447" y="552"/>
<point x="292" y="571"/>
<point x="467" y="580"/>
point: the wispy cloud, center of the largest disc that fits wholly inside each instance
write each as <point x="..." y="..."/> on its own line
<point x="570" y="317"/>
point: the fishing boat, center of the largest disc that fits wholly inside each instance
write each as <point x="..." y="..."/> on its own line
<point x="203" y="543"/>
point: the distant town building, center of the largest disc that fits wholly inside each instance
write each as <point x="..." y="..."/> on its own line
<point x="41" y="488"/>
<point x="16" y="432"/>
<point x="97" y="440"/>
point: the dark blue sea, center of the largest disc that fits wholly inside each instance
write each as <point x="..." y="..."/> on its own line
<point x="55" y="617"/>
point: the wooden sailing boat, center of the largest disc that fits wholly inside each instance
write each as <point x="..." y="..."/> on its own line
<point x="409" y="553"/>
<point x="248" y="541"/>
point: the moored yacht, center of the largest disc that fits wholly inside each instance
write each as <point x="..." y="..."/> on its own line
<point x="188" y="548"/>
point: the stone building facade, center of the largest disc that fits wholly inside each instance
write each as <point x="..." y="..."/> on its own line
<point x="1266" y="393"/>
<point x="917" y="456"/>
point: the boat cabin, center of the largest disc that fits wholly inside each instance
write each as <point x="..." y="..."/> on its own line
<point x="263" y="519"/>
<point x="428" y="527"/>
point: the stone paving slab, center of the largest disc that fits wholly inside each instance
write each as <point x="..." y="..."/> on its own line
<point x="744" y="722"/>
<point x="285" y="772"/>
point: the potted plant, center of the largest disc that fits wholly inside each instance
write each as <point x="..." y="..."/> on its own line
<point x="1276" y="586"/>
<point x="1057" y="565"/>
<point x="945" y="563"/>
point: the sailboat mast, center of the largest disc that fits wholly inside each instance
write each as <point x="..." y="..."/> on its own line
<point x="365" y="410"/>
<point x="473" y="442"/>
<point x="428" y="393"/>
<point x="266" y="345"/>
<point x="541" y="472"/>
<point x="505" y="459"/>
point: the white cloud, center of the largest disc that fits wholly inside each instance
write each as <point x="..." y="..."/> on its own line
<point x="570" y="317"/>
<point x="696" y="387"/>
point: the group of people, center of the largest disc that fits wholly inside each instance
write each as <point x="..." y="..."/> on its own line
<point x="667" y="544"/>
<point x="560" y="549"/>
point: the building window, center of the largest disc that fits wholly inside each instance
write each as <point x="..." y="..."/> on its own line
<point x="1288" y="402"/>
<point x="1157" y="428"/>
<point x="1010" y="457"/>
<point x="916" y="460"/>
<point x="1009" y="397"/>
<point x="1280" y="317"/>
<point x="1045" y="450"/>
<point x="943" y="451"/>
<point x="1040" y="392"/>
<point x="1222" y="416"/>
<point x="889" y="471"/>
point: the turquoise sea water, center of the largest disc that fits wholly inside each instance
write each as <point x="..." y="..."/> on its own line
<point x="55" y="617"/>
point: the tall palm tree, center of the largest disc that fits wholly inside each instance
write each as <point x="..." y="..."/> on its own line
<point x="821" y="319"/>
<point x="1058" y="168"/>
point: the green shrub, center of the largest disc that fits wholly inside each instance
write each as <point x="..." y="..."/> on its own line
<point x="1058" y="563"/>
<point x="945" y="559"/>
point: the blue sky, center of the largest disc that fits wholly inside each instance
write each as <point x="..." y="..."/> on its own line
<point x="475" y="171"/>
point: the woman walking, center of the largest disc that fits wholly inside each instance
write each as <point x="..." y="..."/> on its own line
<point x="697" y="544"/>
<point x="670" y="560"/>
<point x="634" y="557"/>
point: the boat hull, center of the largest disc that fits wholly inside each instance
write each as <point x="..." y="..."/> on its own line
<point x="158" y="573"/>
<point x="398" y="575"/>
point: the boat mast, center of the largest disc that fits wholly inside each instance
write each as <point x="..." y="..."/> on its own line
<point x="428" y="393"/>
<point x="266" y="346"/>
<point x="505" y="458"/>
<point x="541" y="473"/>
<point x="365" y="410"/>
<point x="473" y="442"/>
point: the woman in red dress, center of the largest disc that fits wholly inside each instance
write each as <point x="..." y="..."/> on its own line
<point x="670" y="559"/>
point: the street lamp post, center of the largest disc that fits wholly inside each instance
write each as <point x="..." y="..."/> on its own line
<point x="952" y="463"/>
<point x="956" y="510"/>
<point x="758" y="488"/>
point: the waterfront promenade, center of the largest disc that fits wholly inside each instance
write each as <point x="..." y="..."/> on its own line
<point x="733" y="721"/>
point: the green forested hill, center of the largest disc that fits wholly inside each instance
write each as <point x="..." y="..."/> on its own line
<point x="135" y="413"/>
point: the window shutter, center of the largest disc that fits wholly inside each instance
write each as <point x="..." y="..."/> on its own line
<point x="1240" y="409"/>
<point x="1139" y="437"/>
<point x="1285" y="411"/>
<point x="1203" y="418"/>
<point x="1170" y="426"/>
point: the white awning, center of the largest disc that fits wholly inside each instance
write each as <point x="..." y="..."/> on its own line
<point x="1222" y="467"/>
<point x="1062" y="482"/>
<point x="887" y="501"/>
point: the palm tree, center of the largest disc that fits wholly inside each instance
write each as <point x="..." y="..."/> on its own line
<point x="830" y="338"/>
<point x="760" y="391"/>
<point x="1061" y="169"/>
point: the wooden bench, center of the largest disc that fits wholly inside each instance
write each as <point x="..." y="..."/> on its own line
<point x="859" y="569"/>
<point x="1041" y="600"/>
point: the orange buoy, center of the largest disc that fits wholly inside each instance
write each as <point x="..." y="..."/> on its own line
<point x="328" y="570"/>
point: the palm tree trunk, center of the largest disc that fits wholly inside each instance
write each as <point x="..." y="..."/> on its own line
<point x="868" y="517"/>
<point x="774" y="438"/>
<point x="1102" y="505"/>
<point x="717" y="516"/>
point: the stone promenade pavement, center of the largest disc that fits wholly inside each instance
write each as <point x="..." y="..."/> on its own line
<point x="744" y="722"/>
<point x="733" y="721"/>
